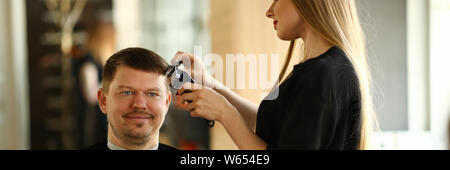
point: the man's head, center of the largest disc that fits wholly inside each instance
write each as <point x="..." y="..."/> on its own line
<point x="135" y="96"/>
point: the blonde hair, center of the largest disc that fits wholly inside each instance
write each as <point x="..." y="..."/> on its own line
<point x="338" y="23"/>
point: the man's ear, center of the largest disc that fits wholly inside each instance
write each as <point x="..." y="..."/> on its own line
<point x="101" y="96"/>
<point x="168" y="100"/>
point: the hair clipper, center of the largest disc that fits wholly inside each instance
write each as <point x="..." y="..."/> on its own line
<point x="177" y="78"/>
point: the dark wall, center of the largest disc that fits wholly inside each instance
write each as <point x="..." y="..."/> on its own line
<point x="45" y="70"/>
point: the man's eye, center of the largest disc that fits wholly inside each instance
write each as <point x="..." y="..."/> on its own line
<point x="127" y="93"/>
<point x="153" y="94"/>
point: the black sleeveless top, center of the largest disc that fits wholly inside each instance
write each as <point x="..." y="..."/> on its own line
<point x="317" y="107"/>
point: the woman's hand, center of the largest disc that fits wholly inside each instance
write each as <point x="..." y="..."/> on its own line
<point x="195" y="67"/>
<point x="208" y="104"/>
<point x="203" y="102"/>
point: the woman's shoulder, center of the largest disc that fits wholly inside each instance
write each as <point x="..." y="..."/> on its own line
<point x="331" y="69"/>
<point x="334" y="58"/>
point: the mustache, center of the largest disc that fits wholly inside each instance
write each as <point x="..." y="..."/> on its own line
<point x="141" y="112"/>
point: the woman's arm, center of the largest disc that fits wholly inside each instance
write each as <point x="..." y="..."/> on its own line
<point x="247" y="109"/>
<point x="242" y="135"/>
<point x="211" y="105"/>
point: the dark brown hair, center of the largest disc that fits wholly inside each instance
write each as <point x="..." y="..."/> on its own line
<point x="136" y="58"/>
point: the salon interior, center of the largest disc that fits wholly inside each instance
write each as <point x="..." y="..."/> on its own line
<point x="41" y="42"/>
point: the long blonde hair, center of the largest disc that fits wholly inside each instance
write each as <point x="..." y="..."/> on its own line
<point x="338" y="22"/>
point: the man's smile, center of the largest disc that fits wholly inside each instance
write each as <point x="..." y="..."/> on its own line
<point x="138" y="117"/>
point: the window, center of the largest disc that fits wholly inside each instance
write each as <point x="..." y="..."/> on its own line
<point x="428" y="82"/>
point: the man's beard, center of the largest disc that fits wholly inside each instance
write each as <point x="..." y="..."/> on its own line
<point x="127" y="135"/>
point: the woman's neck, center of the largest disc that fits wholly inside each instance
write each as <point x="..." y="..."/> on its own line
<point x="315" y="45"/>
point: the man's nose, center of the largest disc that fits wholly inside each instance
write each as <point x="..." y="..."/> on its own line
<point x="140" y="101"/>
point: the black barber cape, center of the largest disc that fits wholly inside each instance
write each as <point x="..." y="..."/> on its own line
<point x="104" y="146"/>
<point x="317" y="107"/>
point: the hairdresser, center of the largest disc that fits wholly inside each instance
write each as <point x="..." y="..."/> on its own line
<point x="324" y="103"/>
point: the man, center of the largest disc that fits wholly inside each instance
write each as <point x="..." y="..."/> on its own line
<point x="135" y="97"/>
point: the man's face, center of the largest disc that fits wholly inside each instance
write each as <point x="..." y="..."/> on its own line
<point x="135" y="104"/>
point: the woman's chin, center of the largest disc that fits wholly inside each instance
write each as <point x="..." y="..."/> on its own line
<point x="285" y="37"/>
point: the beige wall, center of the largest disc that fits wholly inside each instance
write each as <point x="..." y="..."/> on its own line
<point x="240" y="27"/>
<point x="14" y="121"/>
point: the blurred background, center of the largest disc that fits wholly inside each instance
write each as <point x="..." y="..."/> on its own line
<point x="52" y="53"/>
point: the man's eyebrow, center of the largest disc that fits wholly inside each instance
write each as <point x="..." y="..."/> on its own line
<point x="124" y="87"/>
<point x="149" y="89"/>
<point x="154" y="89"/>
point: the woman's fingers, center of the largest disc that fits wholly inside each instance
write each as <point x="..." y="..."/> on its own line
<point x="188" y="97"/>
<point x="178" y="56"/>
<point x="187" y="59"/>
<point x="194" y="66"/>
<point x="188" y="88"/>
<point x="191" y="107"/>
<point x="180" y="104"/>
<point x="204" y="102"/>
<point x="195" y="113"/>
